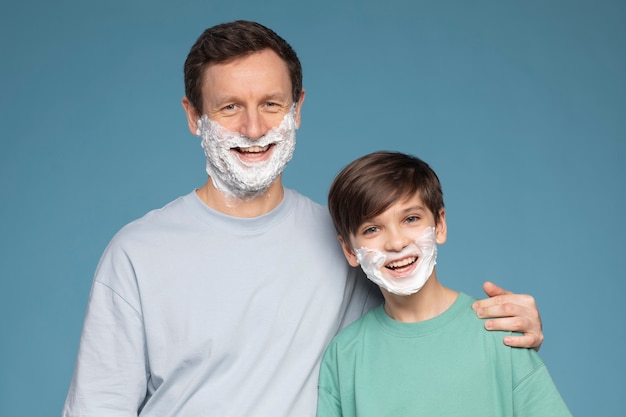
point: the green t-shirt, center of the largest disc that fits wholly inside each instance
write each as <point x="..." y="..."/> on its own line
<point x="447" y="366"/>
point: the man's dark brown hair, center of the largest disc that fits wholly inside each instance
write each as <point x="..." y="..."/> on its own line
<point x="228" y="41"/>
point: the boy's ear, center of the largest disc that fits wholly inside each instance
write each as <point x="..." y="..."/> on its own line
<point x="441" y="230"/>
<point x="348" y="252"/>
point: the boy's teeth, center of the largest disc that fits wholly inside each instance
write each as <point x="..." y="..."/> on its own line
<point x="400" y="264"/>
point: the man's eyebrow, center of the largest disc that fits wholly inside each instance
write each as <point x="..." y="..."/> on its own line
<point x="278" y="96"/>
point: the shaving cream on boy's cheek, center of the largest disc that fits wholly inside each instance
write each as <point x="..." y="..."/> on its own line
<point x="373" y="261"/>
<point x="235" y="177"/>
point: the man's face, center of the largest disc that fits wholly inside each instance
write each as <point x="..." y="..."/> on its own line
<point x="249" y="95"/>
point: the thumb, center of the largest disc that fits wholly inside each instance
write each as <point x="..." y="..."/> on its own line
<point x="492" y="289"/>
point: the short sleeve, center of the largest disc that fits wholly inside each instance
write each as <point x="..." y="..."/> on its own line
<point x="110" y="377"/>
<point x="328" y="403"/>
<point x="534" y="392"/>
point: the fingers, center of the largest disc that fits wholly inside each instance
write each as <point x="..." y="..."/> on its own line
<point x="532" y="335"/>
<point x="511" y="312"/>
<point x="509" y="324"/>
<point x="529" y="340"/>
<point x="492" y="289"/>
<point x="505" y="305"/>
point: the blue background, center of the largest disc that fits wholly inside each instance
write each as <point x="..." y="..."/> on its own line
<point x="519" y="106"/>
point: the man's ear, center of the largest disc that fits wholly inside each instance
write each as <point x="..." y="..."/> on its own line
<point x="441" y="230"/>
<point x="299" y="108"/>
<point x="348" y="252"/>
<point x="192" y="116"/>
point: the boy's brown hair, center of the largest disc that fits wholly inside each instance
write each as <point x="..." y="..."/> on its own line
<point x="371" y="184"/>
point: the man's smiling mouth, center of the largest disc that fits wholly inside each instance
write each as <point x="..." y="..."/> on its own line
<point x="253" y="149"/>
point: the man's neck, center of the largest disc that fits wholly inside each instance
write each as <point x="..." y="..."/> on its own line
<point x="429" y="302"/>
<point x="245" y="208"/>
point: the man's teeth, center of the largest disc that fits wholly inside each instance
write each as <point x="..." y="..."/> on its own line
<point x="254" y="149"/>
<point x="402" y="263"/>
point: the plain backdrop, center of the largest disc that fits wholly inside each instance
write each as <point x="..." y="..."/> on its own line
<point x="519" y="106"/>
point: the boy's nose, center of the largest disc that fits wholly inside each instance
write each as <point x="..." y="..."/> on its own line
<point x="397" y="241"/>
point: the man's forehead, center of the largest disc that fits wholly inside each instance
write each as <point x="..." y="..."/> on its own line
<point x="265" y="61"/>
<point x="263" y="77"/>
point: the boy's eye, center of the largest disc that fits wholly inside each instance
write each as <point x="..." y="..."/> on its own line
<point x="370" y="230"/>
<point x="412" y="219"/>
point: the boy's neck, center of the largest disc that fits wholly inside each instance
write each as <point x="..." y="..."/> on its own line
<point x="429" y="302"/>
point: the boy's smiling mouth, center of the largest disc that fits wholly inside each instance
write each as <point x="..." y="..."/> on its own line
<point x="401" y="264"/>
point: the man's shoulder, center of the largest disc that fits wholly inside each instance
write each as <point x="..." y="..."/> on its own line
<point x="306" y="207"/>
<point x="156" y="220"/>
<point x="302" y="200"/>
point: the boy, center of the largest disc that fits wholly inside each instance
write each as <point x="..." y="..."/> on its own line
<point x="424" y="351"/>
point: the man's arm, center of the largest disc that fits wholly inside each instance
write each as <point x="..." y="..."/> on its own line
<point x="111" y="373"/>
<point x="511" y="312"/>
<point x="110" y="378"/>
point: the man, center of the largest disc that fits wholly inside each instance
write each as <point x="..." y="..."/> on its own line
<point x="222" y="302"/>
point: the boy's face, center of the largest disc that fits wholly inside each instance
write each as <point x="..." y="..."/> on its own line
<point x="400" y="226"/>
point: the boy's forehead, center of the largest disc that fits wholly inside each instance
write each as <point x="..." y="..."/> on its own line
<point x="405" y="203"/>
<point x="409" y="201"/>
<point x="411" y="197"/>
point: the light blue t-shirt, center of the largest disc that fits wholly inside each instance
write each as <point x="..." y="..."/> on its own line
<point x="196" y="313"/>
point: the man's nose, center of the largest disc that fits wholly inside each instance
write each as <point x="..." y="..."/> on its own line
<point x="252" y="125"/>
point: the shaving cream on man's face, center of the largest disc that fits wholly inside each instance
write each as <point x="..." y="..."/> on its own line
<point x="373" y="263"/>
<point x="239" y="179"/>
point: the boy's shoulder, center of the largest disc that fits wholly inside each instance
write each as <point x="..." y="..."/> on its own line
<point x="458" y="318"/>
<point x="354" y="333"/>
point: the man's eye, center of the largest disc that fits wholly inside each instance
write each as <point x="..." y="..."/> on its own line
<point x="272" y="107"/>
<point x="229" y="107"/>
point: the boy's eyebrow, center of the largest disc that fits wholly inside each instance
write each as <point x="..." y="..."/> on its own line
<point x="404" y="211"/>
<point x="414" y="208"/>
